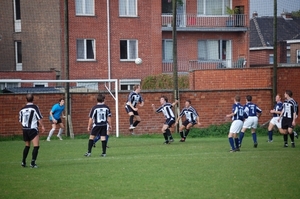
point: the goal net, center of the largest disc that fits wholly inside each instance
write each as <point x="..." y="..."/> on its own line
<point x="80" y="96"/>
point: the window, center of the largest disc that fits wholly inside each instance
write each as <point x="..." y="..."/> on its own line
<point x="271" y="59"/>
<point x="85" y="49"/>
<point x="166" y="7"/>
<point x="18" y="54"/>
<point x="4" y="85"/>
<point x="298" y="56"/>
<point x="84" y="7"/>
<point x="17" y="15"/>
<point x="212" y="7"/>
<point x="128" y="49"/>
<point x="214" y="50"/>
<point x="127" y="84"/>
<point x="40" y="84"/>
<point x="128" y="8"/>
<point x="288" y="58"/>
<point x="167" y="50"/>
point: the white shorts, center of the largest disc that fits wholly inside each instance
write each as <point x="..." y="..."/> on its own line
<point x="274" y="121"/>
<point x="236" y="126"/>
<point x="251" y="122"/>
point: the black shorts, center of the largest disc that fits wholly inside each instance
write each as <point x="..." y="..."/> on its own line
<point x="286" y="123"/>
<point x="186" y="122"/>
<point x="57" y="121"/>
<point x="129" y="109"/>
<point x="29" y="134"/>
<point x="170" y="122"/>
<point x="99" y="130"/>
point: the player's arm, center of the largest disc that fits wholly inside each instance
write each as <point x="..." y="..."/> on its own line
<point x="153" y="108"/>
<point x="174" y="103"/>
<point x="109" y="123"/>
<point x="198" y="120"/>
<point x="142" y="103"/>
<point x="179" y="117"/>
<point x="90" y="124"/>
<point x="42" y="125"/>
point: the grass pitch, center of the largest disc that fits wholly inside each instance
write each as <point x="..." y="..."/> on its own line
<point x="142" y="167"/>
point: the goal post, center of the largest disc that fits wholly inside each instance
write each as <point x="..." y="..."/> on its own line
<point x="74" y="87"/>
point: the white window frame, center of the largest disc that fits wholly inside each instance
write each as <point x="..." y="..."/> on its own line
<point x="125" y="7"/>
<point x="129" y="83"/>
<point x="167" y="54"/>
<point x="298" y="56"/>
<point x="131" y="56"/>
<point x="19" y="65"/>
<point x="215" y="52"/>
<point x="17" y="21"/>
<point x="36" y="84"/>
<point x="4" y="85"/>
<point x="81" y="7"/>
<point x="204" y="11"/>
<point x="85" y="53"/>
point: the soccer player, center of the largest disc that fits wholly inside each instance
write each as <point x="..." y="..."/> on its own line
<point x="253" y="112"/>
<point x="274" y="121"/>
<point x="56" y="114"/>
<point x="30" y="117"/>
<point x="133" y="99"/>
<point x="192" y="118"/>
<point x="289" y="115"/>
<point x="166" y="109"/>
<point x="99" y="118"/>
<point x="237" y="116"/>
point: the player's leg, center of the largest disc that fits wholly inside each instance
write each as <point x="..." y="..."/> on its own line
<point x="137" y="119"/>
<point x="36" y="146"/>
<point x="103" y="134"/>
<point x="188" y="127"/>
<point x="96" y="139"/>
<point x="94" y="132"/>
<point x="291" y="132"/>
<point x="182" y="128"/>
<point x="270" y="130"/>
<point x="61" y="129"/>
<point x="131" y="116"/>
<point x="165" y="133"/>
<point x="26" y="148"/>
<point x="253" y="131"/>
<point x="51" y="131"/>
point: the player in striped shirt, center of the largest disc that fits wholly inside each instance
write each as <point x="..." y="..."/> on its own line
<point x="289" y="115"/>
<point x="253" y="112"/>
<point x="99" y="118"/>
<point x="192" y="118"/>
<point x="166" y="109"/>
<point x="134" y="98"/>
<point x="237" y="116"/>
<point x="30" y="117"/>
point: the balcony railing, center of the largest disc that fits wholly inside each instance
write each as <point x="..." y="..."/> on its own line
<point x="186" y="66"/>
<point x="195" y="21"/>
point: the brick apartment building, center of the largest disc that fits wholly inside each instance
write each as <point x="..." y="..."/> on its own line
<point x="106" y="36"/>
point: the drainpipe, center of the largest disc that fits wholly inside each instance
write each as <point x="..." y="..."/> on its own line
<point x="108" y="43"/>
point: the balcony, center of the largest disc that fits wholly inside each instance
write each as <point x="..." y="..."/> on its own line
<point x="186" y="66"/>
<point x="193" y="22"/>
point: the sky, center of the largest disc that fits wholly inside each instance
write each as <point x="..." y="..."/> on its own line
<point x="266" y="7"/>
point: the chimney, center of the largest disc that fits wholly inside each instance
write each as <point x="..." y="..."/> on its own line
<point x="286" y="15"/>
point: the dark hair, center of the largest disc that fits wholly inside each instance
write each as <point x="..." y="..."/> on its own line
<point x="189" y="101"/>
<point x="165" y="98"/>
<point x="237" y="98"/>
<point x="29" y="97"/>
<point x="289" y="93"/>
<point x="249" y="98"/>
<point x="60" y="99"/>
<point x="100" y="98"/>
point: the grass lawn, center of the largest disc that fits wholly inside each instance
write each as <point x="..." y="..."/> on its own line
<point x="142" y="167"/>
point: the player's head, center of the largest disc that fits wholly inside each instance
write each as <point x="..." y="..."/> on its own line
<point x="237" y="98"/>
<point x="61" y="101"/>
<point x="249" y="98"/>
<point x="100" y="98"/>
<point x="188" y="103"/>
<point x="163" y="99"/>
<point x="29" y="97"/>
<point x="278" y="98"/>
<point x="137" y="88"/>
<point x="289" y="93"/>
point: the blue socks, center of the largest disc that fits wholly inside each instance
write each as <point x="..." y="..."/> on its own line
<point x="254" y="137"/>
<point x="241" y="136"/>
<point x="231" y="142"/>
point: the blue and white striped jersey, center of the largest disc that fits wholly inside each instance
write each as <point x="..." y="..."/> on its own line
<point x="190" y="114"/>
<point x="134" y="98"/>
<point x="29" y="116"/>
<point x="166" y="109"/>
<point x="251" y="109"/>
<point x="238" y="111"/>
<point x="289" y="108"/>
<point x="278" y="107"/>
<point x="99" y="113"/>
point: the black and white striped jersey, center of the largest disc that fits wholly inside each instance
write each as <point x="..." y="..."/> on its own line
<point x="100" y="113"/>
<point x="134" y="98"/>
<point x="29" y="116"/>
<point x="190" y="114"/>
<point x="166" y="109"/>
<point x="289" y="108"/>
